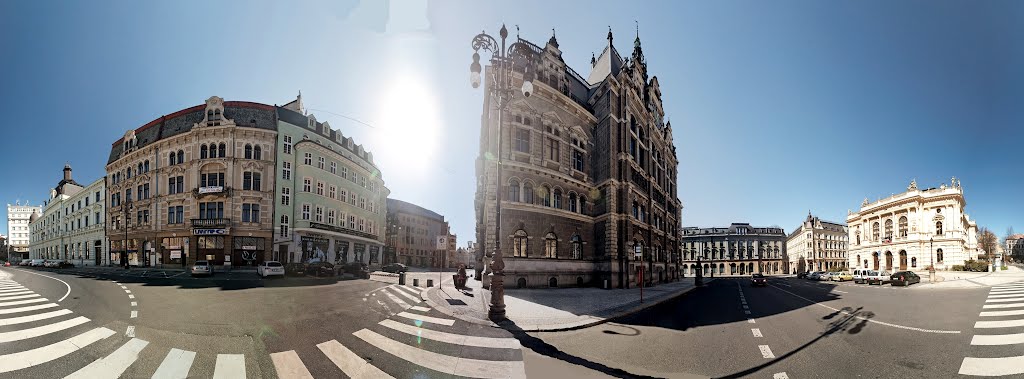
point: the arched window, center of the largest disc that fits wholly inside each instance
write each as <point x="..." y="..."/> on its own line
<point x="203" y="152"/>
<point x="903" y="226"/>
<point x="550" y="246"/>
<point x="181" y="157"/>
<point x="558" y="198"/>
<point x="513" y="190"/>
<point x="248" y="151"/>
<point x="257" y="153"/>
<point x="572" y="203"/>
<point x="636" y="210"/>
<point x="221" y="150"/>
<point x="938" y="255"/>
<point x="528" y="193"/>
<point x="913" y="262"/>
<point x="583" y="205"/>
<point x="139" y="169"/>
<point x="888" y="230"/>
<point x="519" y="244"/>
<point x="874" y="231"/>
<point x="547" y="195"/>
<point x="938" y="228"/>
<point x="171" y="160"/>
<point x="577" y="247"/>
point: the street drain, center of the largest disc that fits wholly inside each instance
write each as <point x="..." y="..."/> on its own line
<point x="455" y="302"/>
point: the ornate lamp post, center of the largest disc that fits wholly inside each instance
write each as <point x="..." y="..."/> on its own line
<point x="931" y="268"/>
<point x="504" y="62"/>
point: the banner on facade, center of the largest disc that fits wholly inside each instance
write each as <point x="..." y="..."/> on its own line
<point x="314" y="249"/>
<point x="211" y="189"/>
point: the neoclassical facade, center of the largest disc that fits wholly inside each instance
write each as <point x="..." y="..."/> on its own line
<point x="588" y="189"/>
<point x="817" y="245"/>
<point x="71" y="226"/>
<point x="913" y="229"/>
<point x="197" y="184"/>
<point x="330" y="196"/>
<point x="739" y="249"/>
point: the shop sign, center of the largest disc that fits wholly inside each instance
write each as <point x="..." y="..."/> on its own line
<point x="209" y="232"/>
<point x="175" y="254"/>
<point x="248" y="247"/>
<point x="211" y="189"/>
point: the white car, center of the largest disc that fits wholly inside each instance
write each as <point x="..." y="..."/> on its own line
<point x="202" y="268"/>
<point x="269" y="268"/>
<point x="825" y="276"/>
<point x="859" y="274"/>
<point x="879" y="277"/>
<point x="37" y="262"/>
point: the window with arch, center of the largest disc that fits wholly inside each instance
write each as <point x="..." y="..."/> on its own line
<point x="203" y="152"/>
<point x="171" y="160"/>
<point x="284" y="225"/>
<point x="938" y="228"/>
<point x="558" y="198"/>
<point x="913" y="262"/>
<point x="222" y="150"/>
<point x="550" y="246"/>
<point x="572" y="203"/>
<point x="583" y="205"/>
<point x="547" y="195"/>
<point x="874" y="231"/>
<point x="513" y="190"/>
<point x="139" y="169"/>
<point x="888" y="230"/>
<point x="519" y="246"/>
<point x="938" y="255"/>
<point x="903" y="226"/>
<point x="636" y="210"/>
<point x="528" y="193"/>
<point x="248" y="151"/>
<point x="577" y="247"/>
<point x="257" y="152"/>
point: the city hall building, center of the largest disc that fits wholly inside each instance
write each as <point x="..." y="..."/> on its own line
<point x="588" y="175"/>
<point x="196" y="184"/>
<point x="739" y="249"/>
<point x="71" y="226"/>
<point x="913" y="229"/>
<point x="817" y="245"/>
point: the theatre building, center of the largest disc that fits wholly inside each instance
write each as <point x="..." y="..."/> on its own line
<point x="196" y="184"/>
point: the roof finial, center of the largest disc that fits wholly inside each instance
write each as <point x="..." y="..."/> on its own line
<point x="609" y="34"/>
<point x="517" y="31"/>
<point x="637" y="28"/>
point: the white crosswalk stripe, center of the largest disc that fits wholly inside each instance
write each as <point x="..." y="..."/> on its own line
<point x="1011" y="334"/>
<point x="444" y="363"/>
<point x="175" y="365"/>
<point x="407" y="295"/>
<point x="29" y="358"/>
<point x="229" y="366"/>
<point x="396" y="300"/>
<point x="6" y="298"/>
<point x="289" y="366"/>
<point x="350" y="363"/>
<point x="22" y="334"/>
<point x="113" y="365"/>
<point x="35" y="317"/>
<point x="4" y="311"/>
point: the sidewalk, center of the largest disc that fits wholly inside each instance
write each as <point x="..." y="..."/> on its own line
<point x="964" y="279"/>
<point x="550" y="309"/>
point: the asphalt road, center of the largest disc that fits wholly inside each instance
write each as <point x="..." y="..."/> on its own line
<point x="801" y="328"/>
<point x="137" y="325"/>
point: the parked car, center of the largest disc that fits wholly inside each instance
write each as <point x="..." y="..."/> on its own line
<point x="825" y="276"/>
<point x="202" y="268"/>
<point x="801" y="275"/>
<point x="25" y="262"/>
<point x="269" y="268"/>
<point x="52" y="263"/>
<point x="321" y="269"/>
<point x="904" y="278"/>
<point x="877" y="277"/>
<point x="814" y="275"/>
<point x="841" y="276"/>
<point x="758" y="280"/>
<point x="395" y="268"/>
<point x="858" y="275"/>
<point x="358" y="269"/>
<point x="66" y="264"/>
<point x="37" y="263"/>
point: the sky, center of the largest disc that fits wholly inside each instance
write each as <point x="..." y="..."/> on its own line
<point x="777" y="107"/>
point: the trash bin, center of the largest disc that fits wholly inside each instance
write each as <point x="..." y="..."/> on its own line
<point x="415" y="282"/>
<point x="401" y="278"/>
<point x="430" y="282"/>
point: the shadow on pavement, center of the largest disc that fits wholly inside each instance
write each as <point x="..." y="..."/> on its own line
<point x="543" y="348"/>
<point x="228" y="281"/>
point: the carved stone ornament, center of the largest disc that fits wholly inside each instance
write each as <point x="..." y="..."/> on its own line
<point x="864" y="203"/>
<point x="913" y="185"/>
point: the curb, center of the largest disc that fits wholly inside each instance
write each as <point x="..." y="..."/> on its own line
<point x="566" y="326"/>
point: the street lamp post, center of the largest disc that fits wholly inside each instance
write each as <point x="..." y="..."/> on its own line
<point x="504" y="61"/>
<point x="931" y="268"/>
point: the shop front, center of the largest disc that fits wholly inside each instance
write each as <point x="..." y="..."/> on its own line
<point x="174" y="251"/>
<point x="314" y="248"/>
<point x="248" y="251"/>
<point x="211" y="248"/>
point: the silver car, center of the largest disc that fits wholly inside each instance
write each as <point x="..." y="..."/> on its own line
<point x="202" y="268"/>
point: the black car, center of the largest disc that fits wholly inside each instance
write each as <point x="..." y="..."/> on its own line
<point x="904" y="278"/>
<point x="395" y="268"/>
<point x="758" y="280"/>
<point x="358" y="270"/>
<point x="801" y="275"/>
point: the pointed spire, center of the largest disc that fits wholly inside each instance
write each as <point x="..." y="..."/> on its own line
<point x="609" y="34"/>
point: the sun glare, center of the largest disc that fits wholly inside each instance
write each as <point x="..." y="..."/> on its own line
<point x="409" y="121"/>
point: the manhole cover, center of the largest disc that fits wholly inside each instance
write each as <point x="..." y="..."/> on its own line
<point x="456" y="302"/>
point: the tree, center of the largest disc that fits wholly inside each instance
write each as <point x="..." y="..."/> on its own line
<point x="988" y="242"/>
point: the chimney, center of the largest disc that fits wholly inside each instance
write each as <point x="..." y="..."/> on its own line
<point x="67" y="172"/>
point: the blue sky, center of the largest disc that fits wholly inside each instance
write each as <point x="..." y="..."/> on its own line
<point x="777" y="107"/>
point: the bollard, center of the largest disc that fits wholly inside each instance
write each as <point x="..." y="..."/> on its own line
<point x="430" y="282"/>
<point x="401" y="278"/>
<point x="415" y="282"/>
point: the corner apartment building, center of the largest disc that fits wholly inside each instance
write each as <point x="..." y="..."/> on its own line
<point x="421" y="237"/>
<point x="18" y="232"/>
<point x="739" y="249"/>
<point x="817" y="245"/>
<point x="71" y="227"/>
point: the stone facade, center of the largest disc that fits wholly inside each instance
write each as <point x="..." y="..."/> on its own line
<point x="71" y="226"/>
<point x="416" y="231"/>
<point x="1014" y="246"/>
<point x="18" y="231"/>
<point x="817" y="245"/>
<point x="910" y="230"/>
<point x="588" y="175"/>
<point x="738" y="249"/>
<point x="330" y="198"/>
<point x="197" y="184"/>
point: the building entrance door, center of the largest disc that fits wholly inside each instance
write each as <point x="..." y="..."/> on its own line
<point x="903" y="260"/>
<point x="875" y="267"/>
<point x="888" y="260"/>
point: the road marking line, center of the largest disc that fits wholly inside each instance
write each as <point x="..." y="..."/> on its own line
<point x="766" y="351"/>
<point x="455" y="339"/>
<point x="130" y="332"/>
<point x="443" y="363"/>
<point x="4" y="311"/>
<point x="131" y="296"/>
<point x="398" y="301"/>
<point x="781" y="375"/>
<point x="20" y="302"/>
<point x="421" y="309"/>
<point x="1001" y="296"/>
<point x="47" y="276"/>
<point x="1002" y="313"/>
<point x="1004" y="300"/>
<point x="432" y="320"/>
<point x="746" y="312"/>
<point x="5" y="298"/>
<point x="999" y="324"/>
<point x="12" y="289"/>
<point x="35" y="317"/>
<point x="127" y="291"/>
<point x="992" y="366"/>
<point x="839" y="291"/>
<point x="756" y="332"/>
<point x="113" y="365"/>
<point x="135" y="303"/>
<point x="350" y="363"/>
<point x="874" y="321"/>
<point x="410" y="290"/>
<point x="229" y="366"/>
<point x="998" y="339"/>
<point x="16" y="293"/>
<point x="19" y="335"/>
<point x="288" y="365"/>
<point x="745" y="306"/>
<point x="1014" y="305"/>
<point x="40" y="355"/>
<point x="175" y="365"/>
<point x="751" y="321"/>
<point x="405" y="294"/>
<point x="135" y="314"/>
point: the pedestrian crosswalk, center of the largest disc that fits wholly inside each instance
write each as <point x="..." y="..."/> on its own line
<point x="431" y="342"/>
<point x="1001" y="334"/>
